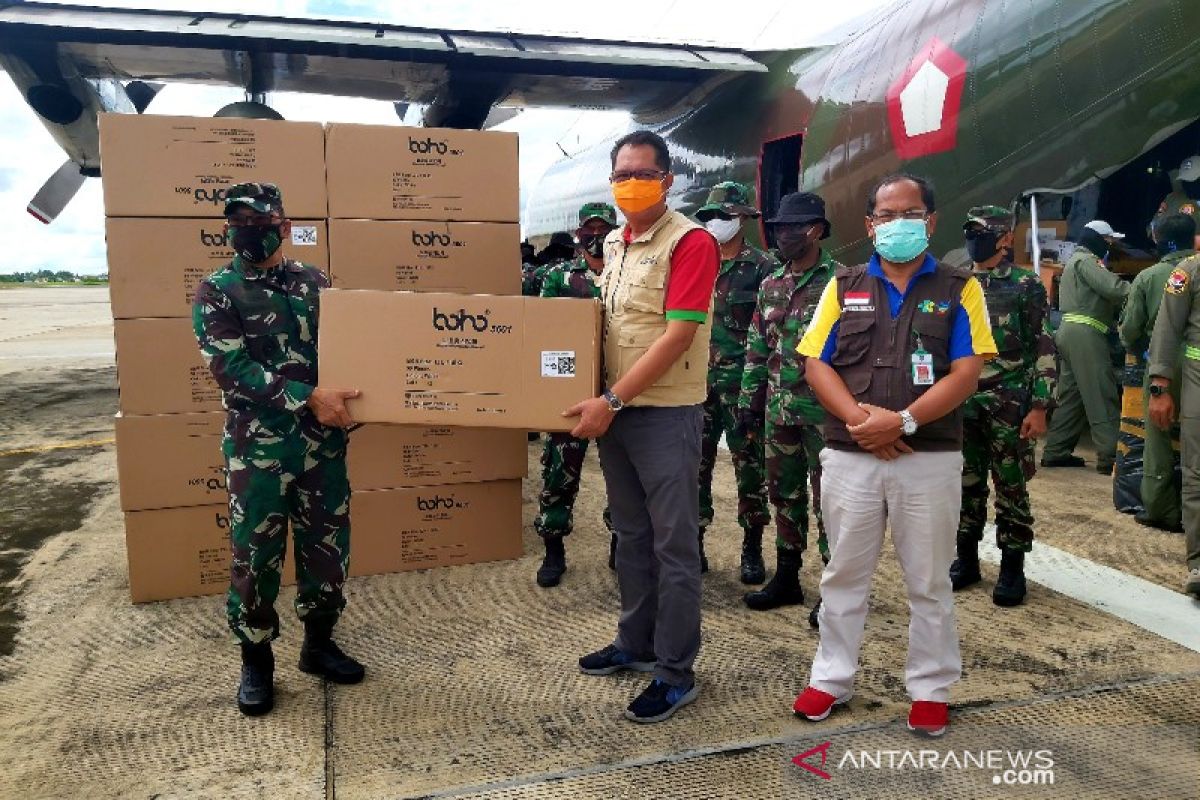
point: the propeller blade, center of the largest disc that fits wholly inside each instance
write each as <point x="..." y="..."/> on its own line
<point x="56" y="192"/>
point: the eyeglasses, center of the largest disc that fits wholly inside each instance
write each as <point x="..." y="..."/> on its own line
<point x="884" y="217"/>
<point x="638" y="174"/>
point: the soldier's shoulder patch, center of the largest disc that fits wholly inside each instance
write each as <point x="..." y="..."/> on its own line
<point x="1187" y="208"/>
<point x="1177" y="281"/>
<point x="1162" y="206"/>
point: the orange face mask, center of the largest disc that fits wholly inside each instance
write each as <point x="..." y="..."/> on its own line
<point x="636" y="195"/>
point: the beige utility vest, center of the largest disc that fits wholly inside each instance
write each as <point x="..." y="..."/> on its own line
<point x="633" y="287"/>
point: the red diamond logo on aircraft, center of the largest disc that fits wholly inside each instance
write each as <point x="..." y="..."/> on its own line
<point x="923" y="104"/>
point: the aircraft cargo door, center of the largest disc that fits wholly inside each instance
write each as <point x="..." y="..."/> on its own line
<point x="778" y="174"/>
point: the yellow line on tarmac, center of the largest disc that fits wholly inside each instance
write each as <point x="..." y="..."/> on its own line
<point x="64" y="446"/>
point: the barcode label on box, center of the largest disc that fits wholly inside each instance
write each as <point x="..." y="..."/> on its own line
<point x="558" y="363"/>
<point x="304" y="235"/>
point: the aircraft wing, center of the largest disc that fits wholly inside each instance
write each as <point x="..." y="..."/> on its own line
<point x="460" y="75"/>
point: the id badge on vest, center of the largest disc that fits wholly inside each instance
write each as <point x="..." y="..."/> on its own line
<point x="922" y="367"/>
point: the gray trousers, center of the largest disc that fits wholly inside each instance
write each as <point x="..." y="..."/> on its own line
<point x="650" y="458"/>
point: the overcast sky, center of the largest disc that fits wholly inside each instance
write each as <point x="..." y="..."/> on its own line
<point x="75" y="241"/>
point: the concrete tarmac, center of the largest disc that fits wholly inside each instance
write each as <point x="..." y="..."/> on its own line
<point x="1086" y="691"/>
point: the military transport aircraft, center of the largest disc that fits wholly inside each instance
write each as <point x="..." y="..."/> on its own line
<point x="1087" y="104"/>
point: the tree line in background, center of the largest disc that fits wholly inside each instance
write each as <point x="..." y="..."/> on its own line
<point x="52" y="276"/>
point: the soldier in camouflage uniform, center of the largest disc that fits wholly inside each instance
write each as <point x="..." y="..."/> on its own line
<point x="284" y="444"/>
<point x="1160" y="491"/>
<point x="776" y="405"/>
<point x="1006" y="415"/>
<point x="528" y="268"/>
<point x="743" y="269"/>
<point x="562" y="457"/>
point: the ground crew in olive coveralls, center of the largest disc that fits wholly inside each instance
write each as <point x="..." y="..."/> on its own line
<point x="743" y="269"/>
<point x="1090" y="298"/>
<point x="1006" y="415"/>
<point x="562" y="456"/>
<point x="1160" y="489"/>
<point x="284" y="444"/>
<point x="1176" y="334"/>
<point x="776" y="404"/>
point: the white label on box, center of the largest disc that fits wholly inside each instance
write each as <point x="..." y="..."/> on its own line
<point x="558" y="363"/>
<point x="304" y="235"/>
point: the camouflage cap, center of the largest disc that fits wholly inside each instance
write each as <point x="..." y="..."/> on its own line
<point x="989" y="217"/>
<point x="600" y="211"/>
<point x="729" y="197"/>
<point x="262" y="197"/>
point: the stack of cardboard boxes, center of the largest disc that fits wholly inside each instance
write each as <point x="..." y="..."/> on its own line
<point x="371" y="205"/>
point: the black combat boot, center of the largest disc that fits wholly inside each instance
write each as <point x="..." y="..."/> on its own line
<point x="256" y="692"/>
<point x="784" y="586"/>
<point x="554" y="564"/>
<point x="964" y="570"/>
<point x="753" y="568"/>
<point x="814" y="618"/>
<point x="320" y="656"/>
<point x="703" y="558"/>
<point x="1010" y="585"/>
<point x="612" y="550"/>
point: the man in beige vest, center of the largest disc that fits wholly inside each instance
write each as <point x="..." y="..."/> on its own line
<point x="657" y="286"/>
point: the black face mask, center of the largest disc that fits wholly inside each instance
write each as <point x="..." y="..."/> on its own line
<point x="255" y="243"/>
<point x="982" y="245"/>
<point x="1191" y="189"/>
<point x="592" y="244"/>
<point x="1094" y="242"/>
<point x="795" y="243"/>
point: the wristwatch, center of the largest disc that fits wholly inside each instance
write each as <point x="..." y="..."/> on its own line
<point x="1157" y="390"/>
<point x="907" y="424"/>
<point x="614" y="402"/>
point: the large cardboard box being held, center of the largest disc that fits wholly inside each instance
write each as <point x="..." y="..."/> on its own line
<point x="393" y="172"/>
<point x="159" y="368"/>
<point x="475" y="257"/>
<point x="159" y="166"/>
<point x="435" y="526"/>
<point x="454" y="359"/>
<point x="154" y="265"/>
<point x="393" y="456"/>
<point x="170" y="460"/>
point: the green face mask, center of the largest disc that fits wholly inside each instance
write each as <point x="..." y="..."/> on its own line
<point x="901" y="240"/>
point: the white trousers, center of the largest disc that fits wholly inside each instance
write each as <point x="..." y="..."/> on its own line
<point x="918" y="495"/>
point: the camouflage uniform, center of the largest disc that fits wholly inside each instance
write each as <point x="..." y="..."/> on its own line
<point x="1020" y="378"/>
<point x="531" y="279"/>
<point x="258" y="333"/>
<point x="773" y="385"/>
<point x="733" y="308"/>
<point x="562" y="456"/>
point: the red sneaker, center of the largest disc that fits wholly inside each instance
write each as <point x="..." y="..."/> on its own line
<point x="815" y="705"/>
<point x="928" y="719"/>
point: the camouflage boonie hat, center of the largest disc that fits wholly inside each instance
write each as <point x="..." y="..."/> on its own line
<point x="729" y="197"/>
<point x="262" y="197"/>
<point x="989" y="217"/>
<point x="600" y="211"/>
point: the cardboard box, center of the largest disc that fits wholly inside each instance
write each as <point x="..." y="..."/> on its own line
<point x="462" y="257"/>
<point x="454" y="359"/>
<point x="159" y="368"/>
<point x="184" y="552"/>
<point x="393" y="456"/>
<point x="1049" y="231"/>
<point x="394" y="172"/>
<point x="403" y="529"/>
<point x="160" y="166"/>
<point x="170" y="460"/>
<point x="181" y="552"/>
<point x="154" y="265"/>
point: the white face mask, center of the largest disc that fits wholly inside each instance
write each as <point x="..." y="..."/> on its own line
<point x="723" y="229"/>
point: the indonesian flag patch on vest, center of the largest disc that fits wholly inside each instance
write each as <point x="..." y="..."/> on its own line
<point x="858" y="298"/>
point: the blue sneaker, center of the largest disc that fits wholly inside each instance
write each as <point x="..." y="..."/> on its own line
<point x="660" y="701"/>
<point x="611" y="659"/>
